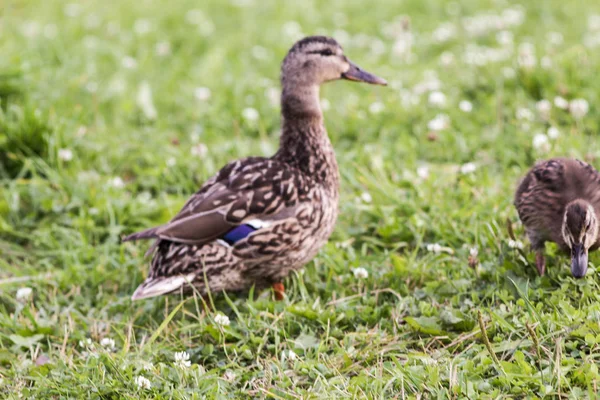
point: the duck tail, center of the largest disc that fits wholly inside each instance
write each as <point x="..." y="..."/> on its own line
<point x="157" y="286"/>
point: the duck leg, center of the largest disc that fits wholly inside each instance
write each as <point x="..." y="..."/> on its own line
<point x="538" y="244"/>
<point x="279" y="291"/>
<point x="540" y="261"/>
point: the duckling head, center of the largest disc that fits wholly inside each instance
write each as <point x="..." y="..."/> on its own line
<point x="580" y="232"/>
<point x="315" y="60"/>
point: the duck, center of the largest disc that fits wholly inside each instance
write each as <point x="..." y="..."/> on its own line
<point x="260" y="218"/>
<point x="559" y="201"/>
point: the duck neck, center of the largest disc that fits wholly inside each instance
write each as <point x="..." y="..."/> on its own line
<point x="304" y="143"/>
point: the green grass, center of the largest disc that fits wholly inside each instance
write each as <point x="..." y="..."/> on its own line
<point x="70" y="78"/>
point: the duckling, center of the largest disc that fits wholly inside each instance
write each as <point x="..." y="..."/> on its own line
<point x="258" y="219"/>
<point x="558" y="201"/>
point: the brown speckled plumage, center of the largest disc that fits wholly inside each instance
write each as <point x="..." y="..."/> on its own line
<point x="292" y="197"/>
<point x="553" y="202"/>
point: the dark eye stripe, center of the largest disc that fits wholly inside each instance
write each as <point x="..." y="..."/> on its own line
<point x="326" y="52"/>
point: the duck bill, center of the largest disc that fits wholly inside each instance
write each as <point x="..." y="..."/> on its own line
<point x="355" y="73"/>
<point x="579" y="260"/>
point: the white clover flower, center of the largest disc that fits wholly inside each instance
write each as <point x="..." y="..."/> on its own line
<point x="85" y="343"/>
<point x="513" y="16"/>
<point x="50" y="31"/>
<point x="148" y="366"/>
<point x="360" y="273"/>
<point x="594" y="22"/>
<point x="508" y="73"/>
<point x="423" y="171"/>
<point x="202" y="93"/>
<point x="222" y="320"/>
<point x="129" y="62"/>
<point x="163" y="48"/>
<point x="579" y="108"/>
<point x="250" y="114"/>
<point x="546" y="62"/>
<point x="553" y="132"/>
<point x="145" y="101"/>
<point x="437" y="99"/>
<point x="288" y="355"/>
<point x="107" y="343"/>
<point x="468" y="168"/>
<point x="505" y="38"/>
<point x="444" y="32"/>
<point x="543" y="107"/>
<point x="199" y="150"/>
<point x="229" y="375"/>
<point x="325" y="104"/>
<point x="366" y="197"/>
<point x="72" y="10"/>
<point x="561" y="102"/>
<point x="376" y="107"/>
<point x="116" y="182"/>
<point x="473" y="252"/>
<point x="273" y="95"/>
<point x="142" y="382"/>
<point x="465" y="106"/>
<point x="540" y="142"/>
<point x="526" y="57"/>
<point x="292" y="29"/>
<point x="435" y="248"/>
<point x="65" y="154"/>
<point x="171" y="162"/>
<point x="142" y="26"/>
<point x="24" y="294"/>
<point x="403" y="44"/>
<point x="515" y="244"/>
<point x="260" y="53"/>
<point x="81" y="131"/>
<point x="194" y="17"/>
<point x="377" y="47"/>
<point x="524" y="114"/>
<point x="91" y="87"/>
<point x="439" y="123"/>
<point x="92" y="21"/>
<point x="182" y="360"/>
<point x="447" y="58"/>
<point x="555" y="38"/>
<point x="90" y="354"/>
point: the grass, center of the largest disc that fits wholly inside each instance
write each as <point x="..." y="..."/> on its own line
<point x="428" y="322"/>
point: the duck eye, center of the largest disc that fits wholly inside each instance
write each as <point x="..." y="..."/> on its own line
<point x="326" y="52"/>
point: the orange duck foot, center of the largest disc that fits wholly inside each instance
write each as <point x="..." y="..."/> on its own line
<point x="279" y="291"/>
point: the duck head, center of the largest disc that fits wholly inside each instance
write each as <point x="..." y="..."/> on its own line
<point x="315" y="60"/>
<point x="580" y="232"/>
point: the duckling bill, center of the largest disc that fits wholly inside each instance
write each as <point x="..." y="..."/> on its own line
<point x="258" y="219"/>
<point x="558" y="201"/>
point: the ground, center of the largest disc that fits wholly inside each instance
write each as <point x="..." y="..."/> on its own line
<point x="112" y="113"/>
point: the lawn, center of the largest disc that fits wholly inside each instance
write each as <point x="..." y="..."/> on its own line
<point x="113" y="113"/>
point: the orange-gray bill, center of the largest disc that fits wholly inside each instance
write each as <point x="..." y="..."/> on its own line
<point x="355" y="73"/>
<point x="579" y="260"/>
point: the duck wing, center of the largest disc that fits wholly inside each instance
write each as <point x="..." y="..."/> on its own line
<point x="251" y="189"/>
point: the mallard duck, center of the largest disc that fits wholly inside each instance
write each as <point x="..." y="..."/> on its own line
<point x="258" y="219"/>
<point x="558" y="201"/>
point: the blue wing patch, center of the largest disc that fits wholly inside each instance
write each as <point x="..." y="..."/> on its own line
<point x="238" y="233"/>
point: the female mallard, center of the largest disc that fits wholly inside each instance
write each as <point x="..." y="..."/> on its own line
<point x="259" y="218"/>
<point x="559" y="201"/>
